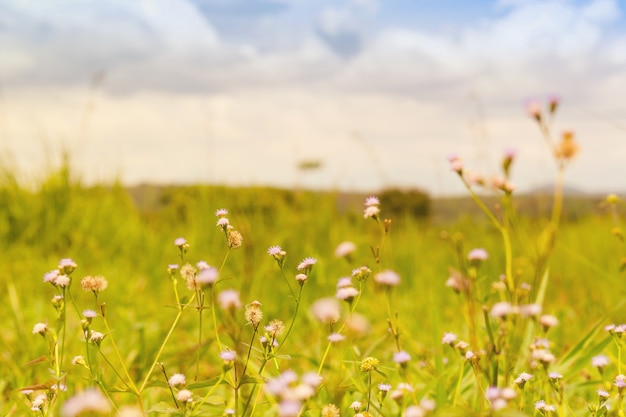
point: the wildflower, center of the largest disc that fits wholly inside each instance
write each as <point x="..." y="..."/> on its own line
<point x="356" y="406"/>
<point x="180" y="242"/>
<point x="79" y="360"/>
<point x="61" y="281"/>
<point x="357" y="323"/>
<point x="384" y="387"/>
<point x="188" y="273"/>
<point x="502" y="309"/>
<point x="448" y="339"/>
<point x="456" y="164"/>
<point x="344" y="249"/>
<point x="555" y="376"/>
<point x="371" y="212"/>
<point x="177" y="380"/>
<point x="67" y="266"/>
<point x="326" y="310"/>
<point x="229" y="300"/>
<point x="221" y="212"/>
<point x="40" y="328"/>
<point x="311" y="379"/>
<point x="620" y="382"/>
<point x="229" y="412"/>
<point x="38" y="402"/>
<point x="553" y="102"/>
<point x="567" y="148"/>
<point x="361" y="273"/>
<point x="90" y="400"/>
<point x="58" y="388"/>
<point x="369" y="364"/>
<point x="89" y="314"/>
<point x="507" y="160"/>
<point x="544" y="356"/>
<point x="289" y="408"/>
<point x="414" y="411"/>
<point x="277" y="253"/>
<point x="600" y="361"/>
<point x="228" y="356"/>
<point x="603" y="394"/>
<point x="96" y="337"/>
<point x="457" y="281"/>
<point x="372" y="201"/>
<point x="330" y="410"/>
<point x="95" y="284"/>
<point x="171" y="268"/>
<point x="184" y="396"/>
<point x="306" y="265"/>
<point x="522" y="379"/>
<point x="547" y="321"/>
<point x="336" y="337"/>
<point x="301" y="278"/>
<point x="427" y="404"/>
<point x="344" y="282"/>
<point x="275" y="327"/>
<point x="478" y="254"/>
<point x="401" y="357"/>
<point x="347" y="293"/>
<point x="530" y="310"/>
<point x="207" y="276"/>
<point x="234" y="239"/>
<point x="543" y="407"/>
<point x="533" y="108"/>
<point x="51" y="276"/>
<point x="223" y="222"/>
<point x="387" y="278"/>
<point x="201" y="265"/>
<point x="254" y="314"/>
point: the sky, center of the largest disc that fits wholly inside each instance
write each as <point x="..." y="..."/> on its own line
<point x="377" y="92"/>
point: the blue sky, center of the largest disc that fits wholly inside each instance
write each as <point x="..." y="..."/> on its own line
<point x="240" y="91"/>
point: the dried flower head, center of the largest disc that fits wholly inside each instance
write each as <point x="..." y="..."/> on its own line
<point x="330" y="410"/>
<point x="275" y="327"/>
<point x="254" y="314"/>
<point x="95" y="284"/>
<point x="235" y="239"/>
<point x="567" y="148"/>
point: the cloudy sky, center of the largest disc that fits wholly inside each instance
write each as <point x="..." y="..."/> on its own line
<point x="377" y="91"/>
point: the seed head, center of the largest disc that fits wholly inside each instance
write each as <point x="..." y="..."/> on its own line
<point x="369" y="364"/>
<point x="95" y="284"/>
<point x="177" y="380"/>
<point x="330" y="410"/>
<point x="234" y="239"/>
<point x="254" y="314"/>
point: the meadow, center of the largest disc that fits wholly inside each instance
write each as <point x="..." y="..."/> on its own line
<point x="210" y="301"/>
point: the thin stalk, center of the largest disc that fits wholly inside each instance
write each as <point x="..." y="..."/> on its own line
<point x="163" y="344"/>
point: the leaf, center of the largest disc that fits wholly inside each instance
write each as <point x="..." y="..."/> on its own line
<point x="207" y="383"/>
<point x="163" y="408"/>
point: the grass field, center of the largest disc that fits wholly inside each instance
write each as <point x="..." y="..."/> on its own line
<point x="436" y="328"/>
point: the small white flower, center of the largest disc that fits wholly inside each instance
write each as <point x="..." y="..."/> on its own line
<point x="344" y="249"/>
<point x="548" y="321"/>
<point x="40" y="328"/>
<point x="372" y="201"/>
<point x="221" y="212"/>
<point x="371" y="212"/>
<point x="306" y="264"/>
<point x="336" y="337"/>
<point x="600" y="361"/>
<point x="177" y="380"/>
<point x="401" y="357"/>
<point x="184" y="396"/>
<point x="448" y="339"/>
<point x="388" y="278"/>
<point x="90" y="400"/>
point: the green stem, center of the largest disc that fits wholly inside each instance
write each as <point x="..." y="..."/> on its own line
<point x="181" y="308"/>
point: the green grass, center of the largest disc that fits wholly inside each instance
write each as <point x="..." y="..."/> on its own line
<point x="130" y="242"/>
